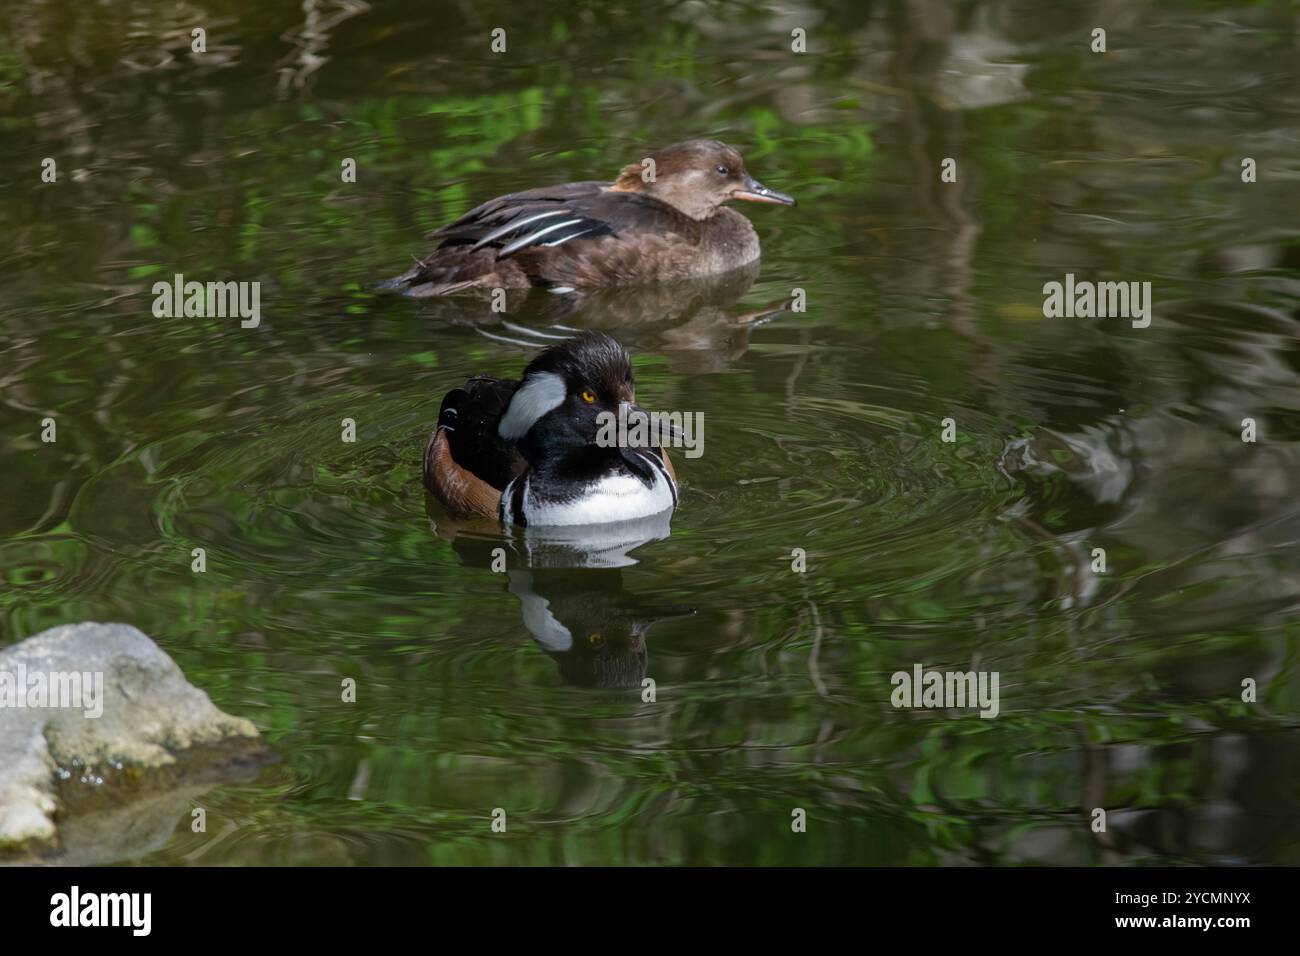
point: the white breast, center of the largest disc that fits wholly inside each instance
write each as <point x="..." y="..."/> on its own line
<point x="613" y="498"/>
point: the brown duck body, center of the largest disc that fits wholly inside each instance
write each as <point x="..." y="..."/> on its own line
<point x="633" y="239"/>
<point x="594" y="234"/>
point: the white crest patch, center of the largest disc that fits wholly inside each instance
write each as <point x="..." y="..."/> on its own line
<point x="540" y="393"/>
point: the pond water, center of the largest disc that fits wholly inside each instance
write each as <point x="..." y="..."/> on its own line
<point x="824" y="428"/>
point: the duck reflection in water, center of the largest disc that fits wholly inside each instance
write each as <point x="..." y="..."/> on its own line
<point x="569" y="583"/>
<point x="480" y="541"/>
<point x="589" y="623"/>
<point x="695" y="323"/>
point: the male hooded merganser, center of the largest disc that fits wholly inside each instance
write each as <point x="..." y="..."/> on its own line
<point x="634" y="230"/>
<point x="526" y="451"/>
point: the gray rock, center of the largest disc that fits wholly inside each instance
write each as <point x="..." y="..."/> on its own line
<point x="137" y="711"/>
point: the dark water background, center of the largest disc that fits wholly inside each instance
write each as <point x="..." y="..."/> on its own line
<point x="925" y="300"/>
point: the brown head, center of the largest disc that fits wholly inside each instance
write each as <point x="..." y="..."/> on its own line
<point x="696" y="177"/>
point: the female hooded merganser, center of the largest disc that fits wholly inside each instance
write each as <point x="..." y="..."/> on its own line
<point x="635" y="230"/>
<point x="527" y="452"/>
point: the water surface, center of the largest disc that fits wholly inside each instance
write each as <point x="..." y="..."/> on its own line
<point x="824" y="427"/>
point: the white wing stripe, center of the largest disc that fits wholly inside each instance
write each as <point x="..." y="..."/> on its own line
<point x="530" y="239"/>
<point x="518" y="224"/>
<point x="564" y="239"/>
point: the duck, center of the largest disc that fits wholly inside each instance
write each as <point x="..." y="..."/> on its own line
<point x="661" y="219"/>
<point x="527" y="452"/>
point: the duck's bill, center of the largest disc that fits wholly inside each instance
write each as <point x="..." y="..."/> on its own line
<point x="666" y="427"/>
<point x="641" y="617"/>
<point x="754" y="191"/>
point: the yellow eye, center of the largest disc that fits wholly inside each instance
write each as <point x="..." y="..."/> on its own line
<point x="588" y="396"/>
<point x="595" y="640"/>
